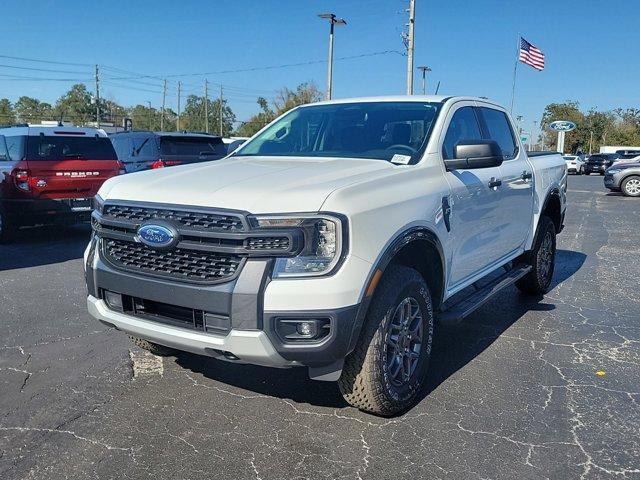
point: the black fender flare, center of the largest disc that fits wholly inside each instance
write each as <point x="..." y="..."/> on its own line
<point x="404" y="238"/>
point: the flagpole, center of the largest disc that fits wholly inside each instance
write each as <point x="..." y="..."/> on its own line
<point x="515" y="71"/>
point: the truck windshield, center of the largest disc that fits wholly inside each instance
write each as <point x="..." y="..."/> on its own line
<point x="56" y="148"/>
<point x="396" y="131"/>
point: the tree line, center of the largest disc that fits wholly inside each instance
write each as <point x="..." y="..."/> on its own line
<point x="78" y="106"/>
<point x="594" y="128"/>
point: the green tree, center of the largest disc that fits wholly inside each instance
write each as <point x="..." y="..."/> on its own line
<point x="569" y="110"/>
<point x="145" y="118"/>
<point x="193" y="116"/>
<point x="284" y="101"/>
<point x="76" y="106"/>
<point x="32" y="110"/>
<point x="7" y="114"/>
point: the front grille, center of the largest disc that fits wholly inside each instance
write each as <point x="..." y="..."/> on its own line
<point x="181" y="264"/>
<point x="268" y="243"/>
<point x="190" y="220"/>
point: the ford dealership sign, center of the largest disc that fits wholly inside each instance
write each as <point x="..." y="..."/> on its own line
<point x="562" y="126"/>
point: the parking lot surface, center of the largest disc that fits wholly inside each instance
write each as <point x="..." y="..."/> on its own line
<point x="525" y="388"/>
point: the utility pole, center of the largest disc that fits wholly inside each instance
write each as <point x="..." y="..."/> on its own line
<point x="411" y="25"/>
<point x="221" y="109"/>
<point x="150" y="116"/>
<point x="424" y="71"/>
<point x="97" y="96"/>
<point x="178" y="118"/>
<point x="164" y="98"/>
<point x="333" y="21"/>
<point x="206" y="105"/>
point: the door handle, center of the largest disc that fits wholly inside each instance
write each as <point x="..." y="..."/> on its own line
<point x="527" y="175"/>
<point x="494" y="182"/>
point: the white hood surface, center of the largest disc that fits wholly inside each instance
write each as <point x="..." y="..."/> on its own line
<point x="252" y="184"/>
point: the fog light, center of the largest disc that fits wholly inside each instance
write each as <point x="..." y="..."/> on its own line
<point x="114" y="300"/>
<point x="307" y="329"/>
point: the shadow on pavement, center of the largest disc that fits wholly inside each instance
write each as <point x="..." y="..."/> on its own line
<point x="33" y="247"/>
<point x="454" y="347"/>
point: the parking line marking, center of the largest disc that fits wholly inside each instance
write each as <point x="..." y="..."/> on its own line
<point x="146" y="364"/>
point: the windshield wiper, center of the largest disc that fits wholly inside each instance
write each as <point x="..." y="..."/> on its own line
<point x="79" y="156"/>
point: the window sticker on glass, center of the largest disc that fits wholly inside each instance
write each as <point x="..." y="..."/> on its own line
<point x="400" y="159"/>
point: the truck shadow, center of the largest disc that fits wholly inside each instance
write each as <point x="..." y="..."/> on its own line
<point x="454" y="347"/>
<point x="33" y="247"/>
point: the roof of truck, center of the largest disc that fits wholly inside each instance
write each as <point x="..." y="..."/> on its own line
<point x="34" y="130"/>
<point x="407" y="98"/>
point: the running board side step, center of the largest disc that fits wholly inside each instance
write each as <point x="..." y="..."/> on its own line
<point x="452" y="314"/>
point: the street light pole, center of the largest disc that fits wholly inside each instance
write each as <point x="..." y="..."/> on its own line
<point x="424" y="71"/>
<point x="333" y="20"/>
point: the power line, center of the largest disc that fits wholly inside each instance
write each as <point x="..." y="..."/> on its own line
<point x="41" y="69"/>
<point x="46" y="61"/>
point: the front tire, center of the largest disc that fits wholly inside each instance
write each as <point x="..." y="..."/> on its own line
<point x="631" y="186"/>
<point x="542" y="260"/>
<point x="385" y="372"/>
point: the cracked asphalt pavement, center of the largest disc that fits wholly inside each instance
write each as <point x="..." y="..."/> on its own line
<point x="525" y="388"/>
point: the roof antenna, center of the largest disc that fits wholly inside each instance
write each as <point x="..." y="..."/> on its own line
<point x="437" y="88"/>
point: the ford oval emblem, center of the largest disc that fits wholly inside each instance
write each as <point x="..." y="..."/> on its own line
<point x="157" y="236"/>
<point x="562" y="126"/>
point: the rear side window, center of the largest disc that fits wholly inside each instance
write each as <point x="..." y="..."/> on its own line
<point x="56" y="148"/>
<point x="16" y="147"/>
<point x="4" y="154"/>
<point x="195" y="146"/>
<point x="122" y="146"/>
<point x="144" y="147"/>
<point x="463" y="126"/>
<point x="499" y="129"/>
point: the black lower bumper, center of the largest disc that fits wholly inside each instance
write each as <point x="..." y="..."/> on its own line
<point x="30" y="212"/>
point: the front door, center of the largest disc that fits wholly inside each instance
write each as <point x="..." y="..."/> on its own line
<point x="516" y="191"/>
<point x="475" y="202"/>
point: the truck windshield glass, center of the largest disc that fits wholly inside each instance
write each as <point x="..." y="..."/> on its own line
<point x="372" y="130"/>
<point x="50" y="148"/>
<point x="213" y="147"/>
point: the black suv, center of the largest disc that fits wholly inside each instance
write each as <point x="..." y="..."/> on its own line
<point x="145" y="150"/>
<point x="599" y="162"/>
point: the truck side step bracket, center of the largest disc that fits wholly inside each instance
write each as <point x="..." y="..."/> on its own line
<point x="454" y="313"/>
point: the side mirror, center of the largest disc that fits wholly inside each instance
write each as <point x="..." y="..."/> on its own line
<point x="475" y="154"/>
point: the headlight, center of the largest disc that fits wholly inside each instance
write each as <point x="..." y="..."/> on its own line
<point x="323" y="243"/>
<point x="614" y="170"/>
<point x="98" y="203"/>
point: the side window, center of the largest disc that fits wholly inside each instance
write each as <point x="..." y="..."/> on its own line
<point x="499" y="129"/>
<point x="463" y="126"/>
<point x="122" y="146"/>
<point x="4" y="155"/>
<point x="145" y="147"/>
<point x="16" y="147"/>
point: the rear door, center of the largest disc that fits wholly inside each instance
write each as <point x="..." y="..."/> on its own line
<point x="63" y="165"/>
<point x="516" y="191"/>
<point x="475" y="204"/>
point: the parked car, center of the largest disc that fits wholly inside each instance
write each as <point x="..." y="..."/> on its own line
<point x="624" y="177"/>
<point x="627" y="154"/>
<point x="140" y="150"/>
<point x="599" y="162"/>
<point x="334" y="240"/>
<point x="574" y="164"/>
<point x="49" y="174"/>
<point x="233" y="143"/>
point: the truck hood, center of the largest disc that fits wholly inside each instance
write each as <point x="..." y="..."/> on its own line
<point x="252" y="184"/>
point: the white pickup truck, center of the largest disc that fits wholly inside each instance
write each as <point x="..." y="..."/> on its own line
<point x="337" y="238"/>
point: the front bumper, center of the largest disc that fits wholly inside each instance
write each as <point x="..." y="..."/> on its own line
<point x="241" y="304"/>
<point x="612" y="182"/>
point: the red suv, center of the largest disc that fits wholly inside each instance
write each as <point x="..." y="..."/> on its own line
<point x="49" y="174"/>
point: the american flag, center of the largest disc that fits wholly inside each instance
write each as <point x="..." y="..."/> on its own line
<point x="531" y="55"/>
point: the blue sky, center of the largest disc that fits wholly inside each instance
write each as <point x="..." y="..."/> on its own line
<point x="592" y="51"/>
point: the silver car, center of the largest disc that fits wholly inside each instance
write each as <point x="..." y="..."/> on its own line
<point x="623" y="177"/>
